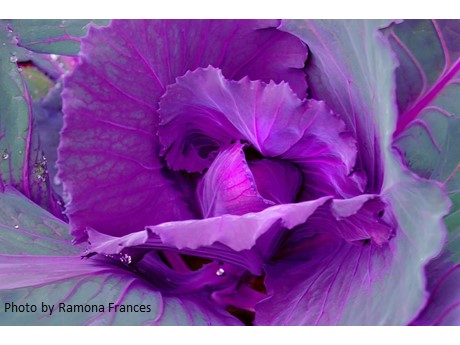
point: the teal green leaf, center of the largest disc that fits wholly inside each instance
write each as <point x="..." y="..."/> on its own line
<point x="443" y="273"/>
<point x="428" y="139"/>
<point x="22" y="163"/>
<point x="27" y="229"/>
<point x="352" y="69"/>
<point x="428" y="89"/>
<point x="343" y="70"/>
<point x="75" y="287"/>
<point x="37" y="82"/>
<point x="15" y="113"/>
<point x="39" y="265"/>
<point x="52" y="36"/>
<point x="453" y="228"/>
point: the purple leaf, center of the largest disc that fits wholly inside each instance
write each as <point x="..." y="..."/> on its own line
<point x="277" y="180"/>
<point x="108" y="156"/>
<point x="228" y="187"/>
<point x="203" y="112"/>
<point x="327" y="273"/>
<point x="364" y="218"/>
<point x="218" y="238"/>
<point x="443" y="305"/>
<point x="18" y="271"/>
<point x="247" y="240"/>
<point x="443" y="274"/>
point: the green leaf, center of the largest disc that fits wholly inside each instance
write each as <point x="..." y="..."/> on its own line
<point x="25" y="228"/>
<point x="428" y="139"/>
<point x="94" y="292"/>
<point x="39" y="265"/>
<point x="443" y="277"/>
<point x="22" y="163"/>
<point x="53" y="36"/>
<point x="37" y="82"/>
<point x="352" y="69"/>
<point x="15" y="113"/>
<point x="453" y="228"/>
<point x="428" y="89"/>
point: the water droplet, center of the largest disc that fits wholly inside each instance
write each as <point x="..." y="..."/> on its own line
<point x="40" y="170"/>
<point x="5" y="155"/>
<point x="3" y="44"/>
<point x="126" y="259"/>
<point x="220" y="272"/>
<point x="20" y="152"/>
<point x="16" y="226"/>
<point x="40" y="177"/>
<point x="56" y="180"/>
<point x="19" y="69"/>
<point x="54" y="57"/>
<point x="9" y="28"/>
<point x="13" y="59"/>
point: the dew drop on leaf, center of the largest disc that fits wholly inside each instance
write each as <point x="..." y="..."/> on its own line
<point x="40" y="170"/>
<point x="126" y="259"/>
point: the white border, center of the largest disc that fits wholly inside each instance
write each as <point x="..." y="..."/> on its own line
<point x="286" y="9"/>
<point x="230" y="335"/>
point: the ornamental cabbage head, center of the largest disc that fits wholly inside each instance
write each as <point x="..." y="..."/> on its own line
<point x="233" y="172"/>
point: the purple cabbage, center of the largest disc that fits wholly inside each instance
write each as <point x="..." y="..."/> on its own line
<point x="204" y="179"/>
